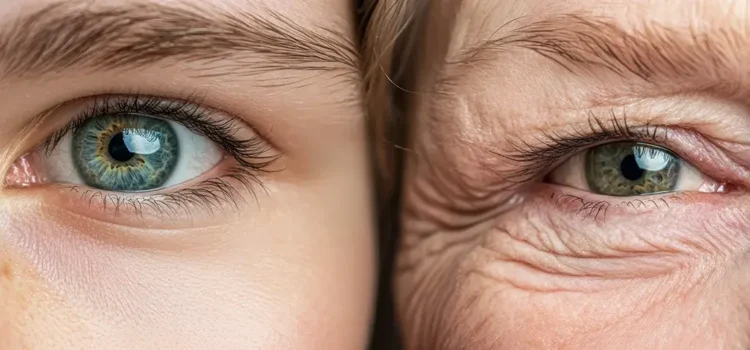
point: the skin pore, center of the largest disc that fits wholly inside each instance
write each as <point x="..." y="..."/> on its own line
<point x="263" y="238"/>
<point x="504" y="243"/>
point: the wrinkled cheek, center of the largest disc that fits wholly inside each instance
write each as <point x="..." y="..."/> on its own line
<point x="474" y="310"/>
<point x="486" y="298"/>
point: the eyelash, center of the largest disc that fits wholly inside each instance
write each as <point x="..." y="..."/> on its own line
<point x="535" y="160"/>
<point x="251" y="155"/>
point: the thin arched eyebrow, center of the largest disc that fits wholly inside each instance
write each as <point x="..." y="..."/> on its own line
<point x="709" y="56"/>
<point x="237" y="41"/>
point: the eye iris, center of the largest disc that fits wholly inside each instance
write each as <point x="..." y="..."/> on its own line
<point x="125" y="152"/>
<point x="628" y="169"/>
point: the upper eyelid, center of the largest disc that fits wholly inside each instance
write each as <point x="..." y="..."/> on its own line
<point x="104" y="104"/>
<point x="251" y="151"/>
<point x="554" y="147"/>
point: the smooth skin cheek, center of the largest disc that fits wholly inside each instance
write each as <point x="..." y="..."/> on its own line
<point x="486" y="262"/>
<point x="288" y="265"/>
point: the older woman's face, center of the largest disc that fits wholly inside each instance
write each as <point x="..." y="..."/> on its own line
<point x="198" y="179"/>
<point x="579" y="177"/>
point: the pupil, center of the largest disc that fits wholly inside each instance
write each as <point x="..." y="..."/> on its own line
<point x="118" y="150"/>
<point x="630" y="168"/>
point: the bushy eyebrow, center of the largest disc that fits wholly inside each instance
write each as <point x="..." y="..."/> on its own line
<point x="652" y="52"/>
<point x="75" y="34"/>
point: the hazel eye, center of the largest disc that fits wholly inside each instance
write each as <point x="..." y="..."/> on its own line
<point x="628" y="169"/>
<point x="625" y="169"/>
<point x="131" y="153"/>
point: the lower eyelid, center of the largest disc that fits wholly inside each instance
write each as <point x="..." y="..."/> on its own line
<point x="223" y="190"/>
<point x="589" y="205"/>
<point x="676" y="222"/>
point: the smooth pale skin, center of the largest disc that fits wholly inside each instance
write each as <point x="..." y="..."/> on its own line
<point x="485" y="264"/>
<point x="292" y="269"/>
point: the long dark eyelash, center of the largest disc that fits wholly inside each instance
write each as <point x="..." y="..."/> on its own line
<point x="252" y="154"/>
<point x="249" y="153"/>
<point x="533" y="160"/>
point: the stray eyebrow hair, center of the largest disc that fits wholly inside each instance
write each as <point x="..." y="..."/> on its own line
<point x="237" y="42"/>
<point x="654" y="53"/>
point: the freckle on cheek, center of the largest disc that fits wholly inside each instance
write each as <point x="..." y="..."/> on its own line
<point x="13" y="291"/>
<point x="12" y="305"/>
<point x="6" y="272"/>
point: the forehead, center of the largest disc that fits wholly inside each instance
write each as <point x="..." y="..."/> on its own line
<point x="476" y="20"/>
<point x="664" y="9"/>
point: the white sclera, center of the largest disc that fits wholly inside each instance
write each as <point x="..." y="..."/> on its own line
<point x="197" y="155"/>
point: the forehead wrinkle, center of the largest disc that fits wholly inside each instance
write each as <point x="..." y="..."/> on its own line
<point x="236" y="41"/>
<point x="653" y="52"/>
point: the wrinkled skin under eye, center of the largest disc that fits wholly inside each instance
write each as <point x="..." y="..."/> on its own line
<point x="125" y="152"/>
<point x="631" y="169"/>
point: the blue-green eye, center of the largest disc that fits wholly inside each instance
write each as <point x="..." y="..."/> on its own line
<point x="131" y="152"/>
<point x="125" y="152"/>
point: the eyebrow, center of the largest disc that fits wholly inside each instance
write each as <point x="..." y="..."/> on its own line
<point x="652" y="52"/>
<point x="239" y="42"/>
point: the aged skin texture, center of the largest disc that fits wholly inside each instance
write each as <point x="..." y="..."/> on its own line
<point x="183" y="174"/>
<point x="516" y="235"/>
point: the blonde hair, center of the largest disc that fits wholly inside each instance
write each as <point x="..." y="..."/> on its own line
<point x="387" y="43"/>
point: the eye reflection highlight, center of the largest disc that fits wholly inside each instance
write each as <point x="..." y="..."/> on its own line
<point x="136" y="142"/>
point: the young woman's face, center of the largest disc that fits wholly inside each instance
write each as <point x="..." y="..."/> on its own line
<point x="578" y="177"/>
<point x="199" y="177"/>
